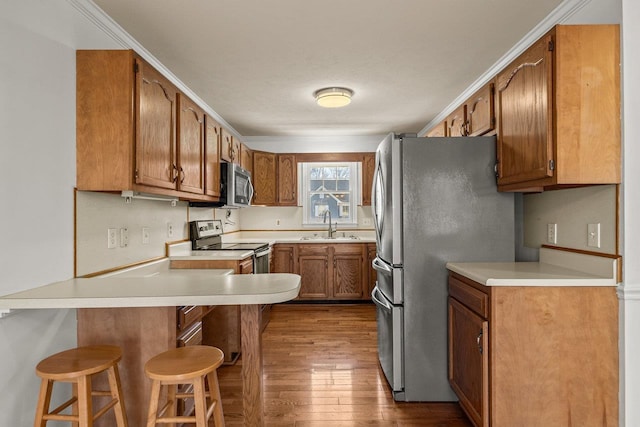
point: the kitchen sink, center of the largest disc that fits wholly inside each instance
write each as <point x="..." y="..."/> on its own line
<point x="321" y="237"/>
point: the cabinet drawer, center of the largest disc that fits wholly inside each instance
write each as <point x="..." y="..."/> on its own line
<point x="473" y="298"/>
<point x="192" y="336"/>
<point x="188" y="314"/>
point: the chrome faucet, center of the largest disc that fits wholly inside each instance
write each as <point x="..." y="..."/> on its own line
<point x="324" y="221"/>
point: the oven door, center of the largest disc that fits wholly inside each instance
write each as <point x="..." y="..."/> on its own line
<point x="262" y="261"/>
<point x="390" y="341"/>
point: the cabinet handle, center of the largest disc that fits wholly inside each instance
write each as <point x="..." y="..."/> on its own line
<point x="175" y="173"/>
<point x="183" y="175"/>
<point x="478" y="339"/>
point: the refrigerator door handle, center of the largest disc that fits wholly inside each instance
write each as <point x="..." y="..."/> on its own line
<point x="380" y="266"/>
<point x="377" y="301"/>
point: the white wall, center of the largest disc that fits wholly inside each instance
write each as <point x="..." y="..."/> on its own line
<point x="37" y="117"/>
<point x="310" y="144"/>
<point x="286" y="218"/>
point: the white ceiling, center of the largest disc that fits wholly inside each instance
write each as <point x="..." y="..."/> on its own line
<point x="257" y="63"/>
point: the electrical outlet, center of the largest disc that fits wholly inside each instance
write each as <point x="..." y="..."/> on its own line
<point x="366" y="221"/>
<point x="552" y="233"/>
<point x="146" y="235"/>
<point x="277" y="223"/>
<point x="169" y="229"/>
<point x="124" y="237"/>
<point x="593" y="235"/>
<point x="112" y="238"/>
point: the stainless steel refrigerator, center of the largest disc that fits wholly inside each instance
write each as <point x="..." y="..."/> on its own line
<point x="434" y="200"/>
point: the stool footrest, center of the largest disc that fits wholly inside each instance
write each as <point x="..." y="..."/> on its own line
<point x="64" y="406"/>
<point x="105" y="408"/>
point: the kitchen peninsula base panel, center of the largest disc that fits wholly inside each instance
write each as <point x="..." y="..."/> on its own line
<point x="141" y="333"/>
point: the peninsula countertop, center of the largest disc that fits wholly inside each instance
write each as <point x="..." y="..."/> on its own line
<point x="556" y="268"/>
<point x="167" y="288"/>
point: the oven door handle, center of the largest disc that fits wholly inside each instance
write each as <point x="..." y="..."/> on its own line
<point x="263" y="253"/>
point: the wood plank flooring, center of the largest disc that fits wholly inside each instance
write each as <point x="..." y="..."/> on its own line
<point x="321" y="369"/>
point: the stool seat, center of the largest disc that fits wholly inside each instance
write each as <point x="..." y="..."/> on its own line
<point x="184" y="363"/>
<point x="78" y="362"/>
<point x="189" y="365"/>
<point x="77" y="366"/>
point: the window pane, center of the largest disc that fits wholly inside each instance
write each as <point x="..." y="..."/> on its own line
<point x="332" y="187"/>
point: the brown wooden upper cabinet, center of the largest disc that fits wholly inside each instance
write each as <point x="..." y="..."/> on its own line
<point x="246" y="158"/>
<point x="439" y="130"/>
<point x="229" y="148"/>
<point x="481" y="117"/>
<point x="264" y="178"/>
<point x="212" y="157"/>
<point x="191" y="152"/>
<point x="131" y="134"/>
<point x="457" y="122"/>
<point x="558" y="111"/>
<point x="368" y="169"/>
<point x="287" y="180"/>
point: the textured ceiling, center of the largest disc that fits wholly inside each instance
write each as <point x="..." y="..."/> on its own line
<point x="257" y="63"/>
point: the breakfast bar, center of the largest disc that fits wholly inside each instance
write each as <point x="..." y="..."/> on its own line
<point x="125" y="299"/>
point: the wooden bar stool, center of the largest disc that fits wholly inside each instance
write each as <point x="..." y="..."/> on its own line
<point x="76" y="366"/>
<point x="181" y="366"/>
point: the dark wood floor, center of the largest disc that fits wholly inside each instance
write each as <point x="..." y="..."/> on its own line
<point x="321" y="369"/>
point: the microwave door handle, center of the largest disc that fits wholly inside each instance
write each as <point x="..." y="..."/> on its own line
<point x="250" y="190"/>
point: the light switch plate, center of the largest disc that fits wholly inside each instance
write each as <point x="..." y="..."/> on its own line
<point x="552" y="233"/>
<point x="593" y="235"/>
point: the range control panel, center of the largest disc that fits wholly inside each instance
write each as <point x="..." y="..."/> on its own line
<point x="207" y="228"/>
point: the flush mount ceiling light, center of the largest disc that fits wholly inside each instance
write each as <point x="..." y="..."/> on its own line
<point x="333" y="97"/>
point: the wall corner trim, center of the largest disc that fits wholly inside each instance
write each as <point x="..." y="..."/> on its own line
<point x="629" y="292"/>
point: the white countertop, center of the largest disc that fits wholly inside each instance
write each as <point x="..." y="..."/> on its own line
<point x="159" y="287"/>
<point x="556" y="268"/>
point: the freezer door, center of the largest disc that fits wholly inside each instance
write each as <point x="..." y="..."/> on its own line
<point x="389" y="280"/>
<point x="390" y="342"/>
<point x="387" y="201"/>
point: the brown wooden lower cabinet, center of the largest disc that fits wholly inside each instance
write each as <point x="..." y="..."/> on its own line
<point x="534" y="356"/>
<point x="328" y="271"/>
<point x="221" y="327"/>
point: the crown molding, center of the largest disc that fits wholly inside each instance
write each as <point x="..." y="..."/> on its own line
<point x="560" y="14"/>
<point x="111" y="28"/>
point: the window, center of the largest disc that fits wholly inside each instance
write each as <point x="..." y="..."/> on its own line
<point x="332" y="187"/>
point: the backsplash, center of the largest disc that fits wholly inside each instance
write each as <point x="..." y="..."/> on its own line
<point x="97" y="212"/>
<point x="289" y="218"/>
<point x="572" y="209"/>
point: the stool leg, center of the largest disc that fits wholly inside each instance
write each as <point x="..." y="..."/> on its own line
<point x="116" y="393"/>
<point x="153" y="404"/>
<point x="74" y="405"/>
<point x="214" y="392"/>
<point x="200" y="401"/>
<point x="85" y="404"/>
<point x="172" y="410"/>
<point x="44" y="400"/>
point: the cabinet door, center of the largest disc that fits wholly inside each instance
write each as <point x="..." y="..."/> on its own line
<point x="226" y="146"/>
<point x="155" y="129"/>
<point x="438" y="130"/>
<point x="283" y="259"/>
<point x="368" y="167"/>
<point x="264" y="178"/>
<point x="245" y="266"/>
<point x="246" y="158"/>
<point x="457" y="122"/>
<point x="190" y="146"/>
<point x="313" y="268"/>
<point x="469" y="361"/>
<point x="348" y="271"/>
<point x="525" y="136"/>
<point x="212" y="157"/>
<point x="480" y="112"/>
<point x="287" y="180"/>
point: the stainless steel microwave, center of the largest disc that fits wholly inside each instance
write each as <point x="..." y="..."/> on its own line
<point x="236" y="189"/>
